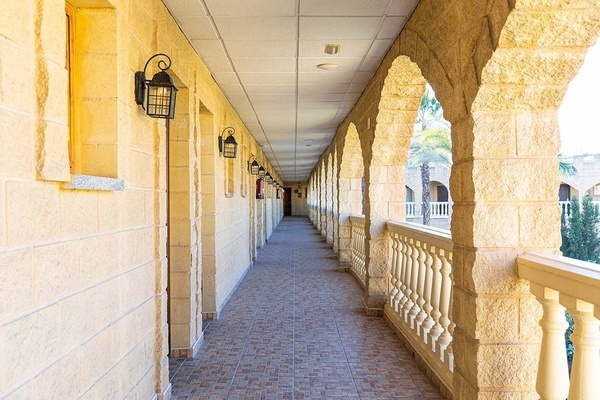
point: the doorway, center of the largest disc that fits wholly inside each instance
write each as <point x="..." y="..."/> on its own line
<point x="287" y="201"/>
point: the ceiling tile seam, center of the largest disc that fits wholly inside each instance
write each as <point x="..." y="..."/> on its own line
<point x="297" y="89"/>
<point x="210" y="17"/>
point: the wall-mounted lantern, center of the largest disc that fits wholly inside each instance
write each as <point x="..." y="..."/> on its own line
<point x="160" y="102"/>
<point x="228" y="146"/>
<point x="254" y="166"/>
<point x="261" y="172"/>
<point x="269" y="178"/>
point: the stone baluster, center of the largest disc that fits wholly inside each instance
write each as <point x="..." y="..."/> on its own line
<point x="401" y="296"/>
<point x="408" y="278"/>
<point x="436" y="288"/>
<point x="414" y="282"/>
<point x="445" y="338"/>
<point x="553" y="375"/>
<point x="421" y="315"/>
<point x="586" y="359"/>
<point x="394" y="270"/>
<point x="428" y="322"/>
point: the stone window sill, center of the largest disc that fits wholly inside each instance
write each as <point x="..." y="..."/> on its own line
<point x="90" y="182"/>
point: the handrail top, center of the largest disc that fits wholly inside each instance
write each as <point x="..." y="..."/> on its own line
<point x="422" y="229"/>
<point x="576" y="270"/>
<point x="357" y="218"/>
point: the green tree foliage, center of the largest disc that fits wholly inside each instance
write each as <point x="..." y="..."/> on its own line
<point x="580" y="240"/>
<point x="430" y="144"/>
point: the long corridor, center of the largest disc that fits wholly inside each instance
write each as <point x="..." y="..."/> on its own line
<point x="295" y="329"/>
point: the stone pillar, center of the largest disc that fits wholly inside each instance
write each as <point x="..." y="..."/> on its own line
<point x="323" y="200"/>
<point x="329" y="201"/>
<point x="384" y="201"/>
<point x="497" y="337"/>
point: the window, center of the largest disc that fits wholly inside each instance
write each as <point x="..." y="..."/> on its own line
<point x="91" y="60"/>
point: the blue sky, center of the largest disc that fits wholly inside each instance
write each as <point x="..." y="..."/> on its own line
<point x="580" y="109"/>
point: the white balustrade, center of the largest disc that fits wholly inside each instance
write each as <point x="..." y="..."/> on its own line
<point x="358" y="247"/>
<point x="410" y="209"/>
<point x="559" y="284"/>
<point x="420" y="296"/>
<point x="565" y="207"/>
<point x="439" y="209"/>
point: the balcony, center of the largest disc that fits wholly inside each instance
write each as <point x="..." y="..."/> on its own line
<point x="420" y="301"/>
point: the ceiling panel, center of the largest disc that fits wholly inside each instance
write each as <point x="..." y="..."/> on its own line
<point x="331" y="28"/>
<point x="190" y="8"/>
<point x="209" y="47"/>
<point x="347" y="64"/>
<point x="256" y="8"/>
<point x="257" y="48"/>
<point x="264" y="64"/>
<point x="325" y="77"/>
<point x="324" y="89"/>
<point x="344" y="7"/>
<point x="197" y="27"/>
<point x="379" y="48"/>
<point x="251" y="78"/>
<point x="391" y="27"/>
<point x="257" y="28"/>
<point x="271" y="89"/>
<point x="402" y="7"/>
<point x="219" y="64"/>
<point x="348" y="48"/>
<point x="264" y="55"/>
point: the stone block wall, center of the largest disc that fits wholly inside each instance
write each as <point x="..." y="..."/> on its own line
<point x="83" y="258"/>
<point x="499" y="70"/>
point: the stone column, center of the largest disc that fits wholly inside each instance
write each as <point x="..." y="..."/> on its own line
<point x="384" y="201"/>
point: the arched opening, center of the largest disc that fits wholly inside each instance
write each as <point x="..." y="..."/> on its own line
<point x="385" y="168"/>
<point x="350" y="194"/>
<point x="430" y="153"/>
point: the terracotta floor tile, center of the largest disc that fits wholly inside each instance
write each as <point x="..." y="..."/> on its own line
<point x="295" y="329"/>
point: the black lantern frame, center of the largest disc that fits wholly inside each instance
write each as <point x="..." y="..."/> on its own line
<point x="254" y="166"/>
<point x="161" y="93"/>
<point x="269" y="178"/>
<point x="228" y="146"/>
<point x="261" y="172"/>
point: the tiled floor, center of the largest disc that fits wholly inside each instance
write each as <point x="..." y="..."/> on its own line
<point x="295" y="329"/>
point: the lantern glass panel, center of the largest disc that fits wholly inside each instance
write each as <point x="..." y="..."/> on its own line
<point x="229" y="147"/>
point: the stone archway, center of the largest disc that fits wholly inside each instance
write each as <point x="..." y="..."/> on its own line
<point x="349" y="183"/>
<point x="514" y="83"/>
<point x="384" y="173"/>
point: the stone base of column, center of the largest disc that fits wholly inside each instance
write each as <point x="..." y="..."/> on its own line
<point x="188" y="352"/>
<point x="210" y="315"/>
<point x="372" y="311"/>
<point x="343" y="266"/>
<point x="166" y="394"/>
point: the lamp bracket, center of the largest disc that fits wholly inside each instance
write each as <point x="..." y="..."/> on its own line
<point x="140" y="77"/>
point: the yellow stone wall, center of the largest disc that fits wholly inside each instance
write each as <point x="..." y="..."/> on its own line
<point x="499" y="69"/>
<point x="83" y="306"/>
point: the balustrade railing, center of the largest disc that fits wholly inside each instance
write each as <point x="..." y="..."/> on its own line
<point x="565" y="207"/>
<point x="410" y="209"/>
<point x="439" y="209"/>
<point x="358" y="247"/>
<point x="559" y="284"/>
<point x="420" y="296"/>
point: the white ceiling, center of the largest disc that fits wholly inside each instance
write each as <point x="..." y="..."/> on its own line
<point x="264" y="55"/>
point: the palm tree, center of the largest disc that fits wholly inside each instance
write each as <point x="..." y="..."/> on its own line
<point x="565" y="169"/>
<point x="429" y="146"/>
